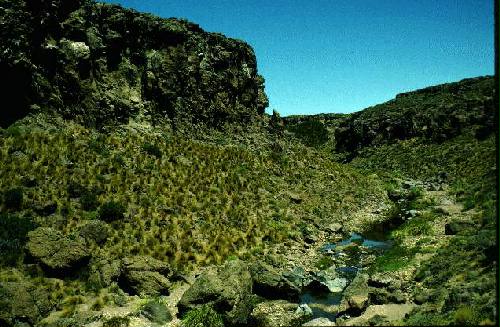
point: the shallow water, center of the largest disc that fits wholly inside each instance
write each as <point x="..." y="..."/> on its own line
<point x="317" y="299"/>
<point x="359" y="239"/>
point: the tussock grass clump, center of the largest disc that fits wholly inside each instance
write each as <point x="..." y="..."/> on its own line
<point x="204" y="316"/>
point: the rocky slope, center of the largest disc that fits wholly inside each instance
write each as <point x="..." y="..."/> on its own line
<point x="437" y="113"/>
<point x="100" y="63"/>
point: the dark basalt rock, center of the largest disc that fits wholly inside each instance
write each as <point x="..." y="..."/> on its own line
<point x="228" y="289"/>
<point x="270" y="284"/>
<point x="57" y="253"/>
<point x="22" y="301"/>
<point x="100" y="64"/>
<point x="144" y="276"/>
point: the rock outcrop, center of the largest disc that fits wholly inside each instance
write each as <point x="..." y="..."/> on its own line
<point x="22" y="301"/>
<point x="227" y="289"/>
<point x="355" y="297"/>
<point x="100" y="63"/>
<point x="55" y="251"/>
<point x="278" y="313"/>
<point x="144" y="276"/>
<point x="270" y="284"/>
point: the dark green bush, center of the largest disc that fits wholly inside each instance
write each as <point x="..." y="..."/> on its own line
<point x="112" y="211"/>
<point x="13" y="233"/>
<point x="426" y="319"/>
<point x="156" y="312"/>
<point x="204" y="316"/>
<point x="152" y="149"/>
<point x="98" y="144"/>
<point x="13" y="198"/>
<point x="117" y="322"/>
<point x="310" y="132"/>
<point x="75" y="190"/>
<point x="89" y="201"/>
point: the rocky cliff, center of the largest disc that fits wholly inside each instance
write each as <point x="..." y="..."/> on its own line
<point x="437" y="113"/>
<point x="99" y="63"/>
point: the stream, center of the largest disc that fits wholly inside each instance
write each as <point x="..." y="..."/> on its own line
<point x="348" y="256"/>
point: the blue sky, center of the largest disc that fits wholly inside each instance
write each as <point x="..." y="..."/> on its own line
<point x="345" y="55"/>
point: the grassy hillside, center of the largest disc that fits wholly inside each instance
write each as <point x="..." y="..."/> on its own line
<point x="185" y="201"/>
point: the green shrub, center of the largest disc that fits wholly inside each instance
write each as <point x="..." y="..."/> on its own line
<point x="466" y="316"/>
<point x="425" y="319"/>
<point x="75" y="190"/>
<point x="417" y="226"/>
<point x="156" y="312"/>
<point x="117" y="322"/>
<point x="111" y="211"/>
<point x="13" y="198"/>
<point x="89" y="201"/>
<point x="310" y="132"/>
<point x="393" y="259"/>
<point x="152" y="149"/>
<point x="204" y="316"/>
<point x="13" y="235"/>
<point x="324" y="262"/>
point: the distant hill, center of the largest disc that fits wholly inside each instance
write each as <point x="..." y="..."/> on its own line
<point x="100" y="64"/>
<point x="437" y="113"/>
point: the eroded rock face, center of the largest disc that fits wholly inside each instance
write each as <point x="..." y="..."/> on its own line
<point x="228" y="289"/>
<point x="144" y="276"/>
<point x="100" y="63"/>
<point x="104" y="271"/>
<point x="55" y="251"/>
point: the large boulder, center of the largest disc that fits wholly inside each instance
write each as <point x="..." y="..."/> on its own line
<point x="270" y="284"/>
<point x="22" y="301"/>
<point x="95" y="231"/>
<point x="278" y="313"/>
<point x="104" y="271"/>
<point x="328" y="279"/>
<point x="228" y="289"/>
<point x="355" y="297"/>
<point x="55" y="251"/>
<point x="381" y="314"/>
<point x="145" y="276"/>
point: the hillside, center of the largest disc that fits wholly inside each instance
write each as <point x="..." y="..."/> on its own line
<point x="142" y="184"/>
